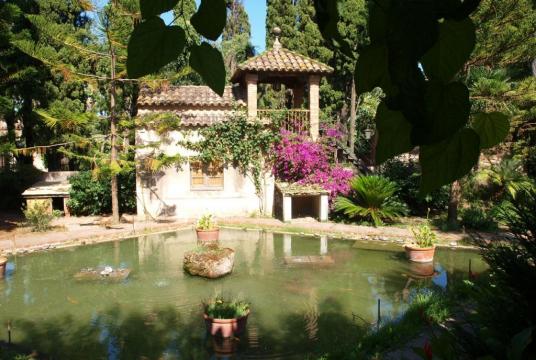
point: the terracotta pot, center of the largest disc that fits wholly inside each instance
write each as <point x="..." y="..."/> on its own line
<point x="422" y="270"/>
<point x="3" y="265"/>
<point x="418" y="254"/>
<point x="208" y="235"/>
<point x="226" y="327"/>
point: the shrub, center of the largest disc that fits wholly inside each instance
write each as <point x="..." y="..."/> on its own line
<point x="512" y="275"/>
<point x="507" y="176"/>
<point x="407" y="176"/>
<point x="39" y="216"/>
<point x="372" y="199"/>
<point x="297" y="159"/>
<point x="477" y="217"/>
<point x="93" y="196"/>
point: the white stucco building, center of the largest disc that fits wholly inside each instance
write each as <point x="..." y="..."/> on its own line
<point x="194" y="188"/>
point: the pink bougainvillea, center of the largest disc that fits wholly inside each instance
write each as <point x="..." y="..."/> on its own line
<point x="298" y="159"/>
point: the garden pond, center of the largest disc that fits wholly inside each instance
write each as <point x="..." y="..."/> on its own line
<point x="298" y="308"/>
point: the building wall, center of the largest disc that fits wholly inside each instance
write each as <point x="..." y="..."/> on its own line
<point x="168" y="192"/>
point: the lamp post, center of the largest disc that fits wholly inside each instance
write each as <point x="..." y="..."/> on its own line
<point x="368" y="133"/>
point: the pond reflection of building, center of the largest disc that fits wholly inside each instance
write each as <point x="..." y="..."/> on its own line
<point x="254" y="249"/>
<point x="321" y="260"/>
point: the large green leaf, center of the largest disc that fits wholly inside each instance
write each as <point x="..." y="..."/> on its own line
<point x="491" y="127"/>
<point x="378" y="21"/>
<point x="393" y="134"/>
<point x="153" y="45"/>
<point x="207" y="61"/>
<point x="210" y="18"/>
<point x="327" y="19"/>
<point x="371" y="69"/>
<point x="447" y="107"/>
<point x="150" y="8"/>
<point x="450" y="52"/>
<point x="448" y="160"/>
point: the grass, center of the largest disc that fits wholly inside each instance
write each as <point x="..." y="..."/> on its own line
<point x="428" y="308"/>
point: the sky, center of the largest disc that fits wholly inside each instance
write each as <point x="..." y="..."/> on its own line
<point x="256" y="10"/>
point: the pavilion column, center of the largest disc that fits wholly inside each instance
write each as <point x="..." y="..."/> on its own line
<point x="297" y="94"/>
<point x="314" y="106"/>
<point x="251" y="82"/>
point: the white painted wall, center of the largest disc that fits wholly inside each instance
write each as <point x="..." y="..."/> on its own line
<point x="168" y="193"/>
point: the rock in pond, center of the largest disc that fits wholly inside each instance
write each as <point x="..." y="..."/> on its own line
<point x="104" y="273"/>
<point x="211" y="262"/>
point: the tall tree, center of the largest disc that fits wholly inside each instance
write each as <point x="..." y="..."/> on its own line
<point x="28" y="83"/>
<point x="301" y="33"/>
<point x="96" y="60"/>
<point x="236" y="46"/>
<point x="282" y="14"/>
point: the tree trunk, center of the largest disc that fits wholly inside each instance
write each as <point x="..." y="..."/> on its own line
<point x="353" y="116"/>
<point x="454" y="200"/>
<point x="113" y="141"/>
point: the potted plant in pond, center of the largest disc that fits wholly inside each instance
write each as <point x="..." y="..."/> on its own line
<point x="3" y="265"/>
<point x="423" y="248"/>
<point x="225" y="318"/>
<point x="207" y="230"/>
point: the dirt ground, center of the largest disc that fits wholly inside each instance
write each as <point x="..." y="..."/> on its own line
<point x="69" y="231"/>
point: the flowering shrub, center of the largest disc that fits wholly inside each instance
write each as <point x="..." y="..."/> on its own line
<point x="297" y="159"/>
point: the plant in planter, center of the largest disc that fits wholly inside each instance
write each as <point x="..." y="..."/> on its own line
<point x="423" y="248"/>
<point x="224" y="317"/>
<point x="207" y="229"/>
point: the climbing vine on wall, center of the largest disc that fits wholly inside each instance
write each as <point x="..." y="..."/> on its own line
<point x="238" y="141"/>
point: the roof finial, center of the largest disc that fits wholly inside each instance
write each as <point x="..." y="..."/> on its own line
<point x="277" y="32"/>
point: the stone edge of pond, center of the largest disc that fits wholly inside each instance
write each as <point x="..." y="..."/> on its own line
<point x="297" y="229"/>
<point x="349" y="236"/>
<point x="94" y="240"/>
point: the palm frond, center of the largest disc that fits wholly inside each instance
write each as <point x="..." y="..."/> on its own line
<point x="373" y="199"/>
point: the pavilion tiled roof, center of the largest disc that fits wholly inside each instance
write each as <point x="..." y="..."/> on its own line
<point x="187" y="95"/>
<point x="281" y="60"/>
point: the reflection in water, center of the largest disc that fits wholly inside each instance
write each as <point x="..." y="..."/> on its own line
<point x="156" y="313"/>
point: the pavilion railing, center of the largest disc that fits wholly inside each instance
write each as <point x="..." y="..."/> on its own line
<point x="294" y="120"/>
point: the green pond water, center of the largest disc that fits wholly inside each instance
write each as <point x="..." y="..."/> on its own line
<point x="156" y="313"/>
